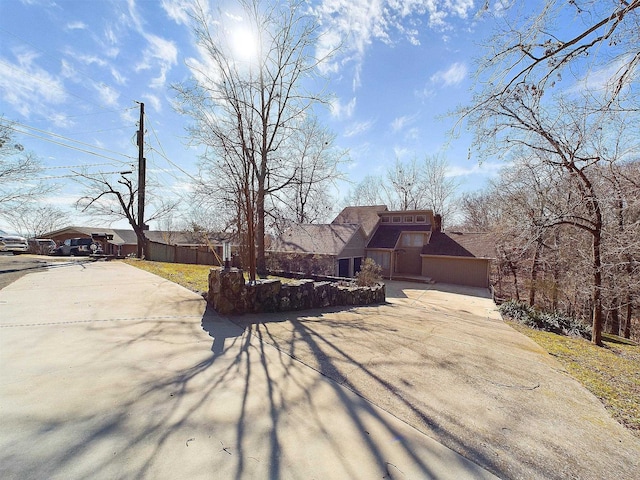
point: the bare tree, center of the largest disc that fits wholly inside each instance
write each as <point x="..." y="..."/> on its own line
<point x="370" y="191"/>
<point x="410" y="185"/>
<point x="19" y="172"/>
<point x="403" y="186"/>
<point x="316" y="161"/>
<point x="34" y="220"/>
<point x="116" y="200"/>
<point x="439" y="189"/>
<point x="246" y="110"/>
<point x="575" y="129"/>
<point x="597" y="38"/>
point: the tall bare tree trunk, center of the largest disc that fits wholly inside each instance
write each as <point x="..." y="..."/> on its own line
<point x="596" y="336"/>
<point x="535" y="267"/>
<point x="627" y="320"/>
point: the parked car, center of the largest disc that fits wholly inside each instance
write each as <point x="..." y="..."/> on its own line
<point x="42" y="246"/>
<point x="78" y="246"/>
<point x="12" y="242"/>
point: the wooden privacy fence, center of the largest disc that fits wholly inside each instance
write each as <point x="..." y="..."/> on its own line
<point x="200" y="255"/>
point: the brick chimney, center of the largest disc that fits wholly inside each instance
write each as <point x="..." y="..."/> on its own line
<point x="437" y="223"/>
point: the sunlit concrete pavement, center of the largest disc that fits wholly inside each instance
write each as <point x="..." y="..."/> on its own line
<point x="441" y="359"/>
<point x="110" y="372"/>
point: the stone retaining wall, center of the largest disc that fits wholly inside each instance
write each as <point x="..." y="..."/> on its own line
<point x="230" y="294"/>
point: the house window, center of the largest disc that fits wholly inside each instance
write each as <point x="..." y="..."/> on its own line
<point x="385" y="219"/>
<point x="412" y="240"/>
<point x="381" y="258"/>
<point x="408" y="219"/>
<point x="421" y="219"/>
<point x="397" y="219"/>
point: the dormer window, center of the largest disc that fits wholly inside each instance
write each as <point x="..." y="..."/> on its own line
<point x="412" y="240"/>
<point x="408" y="219"/>
<point x="421" y="219"/>
<point x="396" y="219"/>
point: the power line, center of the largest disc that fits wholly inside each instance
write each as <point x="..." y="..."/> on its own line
<point x="28" y="127"/>
<point x="74" y="148"/>
<point x="79" y="166"/>
<point x="163" y="155"/>
<point x="83" y="175"/>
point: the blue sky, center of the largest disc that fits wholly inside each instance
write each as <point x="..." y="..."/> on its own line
<point x="75" y="68"/>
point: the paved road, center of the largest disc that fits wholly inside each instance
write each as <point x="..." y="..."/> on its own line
<point x="13" y="267"/>
<point x="142" y="381"/>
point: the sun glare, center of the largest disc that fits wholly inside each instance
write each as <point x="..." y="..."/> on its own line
<point x="244" y="44"/>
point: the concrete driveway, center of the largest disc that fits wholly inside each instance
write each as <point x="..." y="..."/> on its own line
<point x="117" y="373"/>
<point x="441" y="359"/>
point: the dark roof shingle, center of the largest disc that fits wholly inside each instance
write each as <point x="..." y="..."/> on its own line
<point x="387" y="235"/>
<point x="457" y="244"/>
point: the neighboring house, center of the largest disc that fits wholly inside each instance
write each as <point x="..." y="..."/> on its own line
<point x="163" y="245"/>
<point x="321" y="249"/>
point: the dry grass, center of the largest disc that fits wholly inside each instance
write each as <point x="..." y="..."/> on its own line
<point x="193" y="277"/>
<point x="611" y="373"/>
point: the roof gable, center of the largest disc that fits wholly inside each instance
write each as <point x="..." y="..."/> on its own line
<point x="315" y="238"/>
<point x="366" y="216"/>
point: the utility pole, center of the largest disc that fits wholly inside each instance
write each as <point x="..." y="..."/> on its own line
<point x="142" y="174"/>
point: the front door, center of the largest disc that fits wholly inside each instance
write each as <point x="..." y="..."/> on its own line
<point x="343" y="267"/>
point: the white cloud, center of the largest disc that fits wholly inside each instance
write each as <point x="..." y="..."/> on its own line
<point x="76" y="26"/>
<point x="340" y="111"/>
<point x="358" y="128"/>
<point x="177" y="10"/>
<point x="118" y="77"/>
<point x="355" y="24"/>
<point x="160" y="53"/>
<point x="400" y="122"/>
<point x="454" y="75"/>
<point x="602" y="79"/>
<point x="402" y="152"/>
<point x="26" y="86"/>
<point x="154" y="101"/>
<point x="108" y="95"/>
<point x="89" y="59"/>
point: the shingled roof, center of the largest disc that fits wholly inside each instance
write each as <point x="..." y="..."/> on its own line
<point x="366" y="216"/>
<point x="387" y="235"/>
<point x="458" y="244"/>
<point x="123" y="236"/>
<point x="313" y="238"/>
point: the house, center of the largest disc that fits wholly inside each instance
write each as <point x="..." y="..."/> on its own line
<point x="411" y="243"/>
<point x="320" y="249"/>
<point x="406" y="244"/>
<point x="169" y="246"/>
<point x="397" y="242"/>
